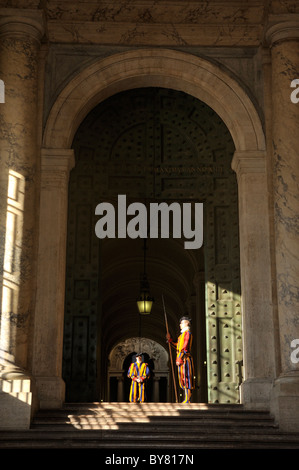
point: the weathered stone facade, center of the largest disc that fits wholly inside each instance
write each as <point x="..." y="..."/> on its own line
<point x="58" y="62"/>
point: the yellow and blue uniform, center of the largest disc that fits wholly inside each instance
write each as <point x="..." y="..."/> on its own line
<point x="137" y="390"/>
<point x="184" y="361"/>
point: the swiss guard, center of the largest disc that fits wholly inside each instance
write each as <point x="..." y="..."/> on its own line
<point x="184" y="360"/>
<point x="139" y="373"/>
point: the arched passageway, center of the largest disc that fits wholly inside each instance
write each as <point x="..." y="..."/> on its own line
<point x="213" y="86"/>
<point x="120" y="359"/>
<point x="153" y="145"/>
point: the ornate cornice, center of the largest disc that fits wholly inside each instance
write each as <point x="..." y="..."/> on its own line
<point x="163" y="23"/>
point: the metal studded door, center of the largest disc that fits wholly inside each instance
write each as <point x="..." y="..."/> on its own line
<point x="82" y="296"/>
<point x="196" y="156"/>
<point x="164" y="145"/>
<point x="223" y="309"/>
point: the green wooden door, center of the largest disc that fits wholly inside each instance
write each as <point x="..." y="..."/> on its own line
<point x="223" y="302"/>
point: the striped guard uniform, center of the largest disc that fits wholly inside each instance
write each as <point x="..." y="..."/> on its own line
<point x="137" y="390"/>
<point x="184" y="361"/>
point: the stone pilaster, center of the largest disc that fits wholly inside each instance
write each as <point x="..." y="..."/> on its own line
<point x="283" y="39"/>
<point x="48" y="333"/>
<point x="258" y="326"/>
<point x="20" y="36"/>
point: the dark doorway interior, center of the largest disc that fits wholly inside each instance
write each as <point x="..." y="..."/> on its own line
<point x="150" y="144"/>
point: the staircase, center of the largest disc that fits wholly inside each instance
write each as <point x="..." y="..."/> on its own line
<point x="151" y="426"/>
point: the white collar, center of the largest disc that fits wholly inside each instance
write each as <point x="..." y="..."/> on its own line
<point x="187" y="328"/>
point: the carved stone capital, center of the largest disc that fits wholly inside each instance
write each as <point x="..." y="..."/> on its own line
<point x="283" y="28"/>
<point x="248" y="162"/>
<point x="56" y="165"/>
<point x="18" y="22"/>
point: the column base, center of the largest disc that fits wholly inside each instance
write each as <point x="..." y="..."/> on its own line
<point x="255" y="393"/>
<point x="285" y="402"/>
<point x="51" y="392"/>
<point x="15" y="403"/>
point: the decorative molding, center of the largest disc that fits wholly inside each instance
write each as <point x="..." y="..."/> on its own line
<point x="286" y="27"/>
<point x="156" y="352"/>
<point x="56" y="165"/>
<point x="18" y="22"/>
<point x="160" y="68"/>
<point x="249" y="162"/>
<point x="155" y="23"/>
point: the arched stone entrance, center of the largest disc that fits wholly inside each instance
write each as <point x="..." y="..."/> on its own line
<point x="158" y="145"/>
<point x="122" y="350"/>
<point x="203" y="80"/>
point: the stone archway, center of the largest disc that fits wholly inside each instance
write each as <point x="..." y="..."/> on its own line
<point x="207" y="82"/>
<point x="159" y="68"/>
<point x="118" y="354"/>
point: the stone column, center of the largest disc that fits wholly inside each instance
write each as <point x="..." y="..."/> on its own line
<point x="120" y="388"/>
<point x="283" y="39"/>
<point x="255" y="261"/>
<point x="156" y="393"/>
<point x="48" y="329"/>
<point x="20" y="35"/>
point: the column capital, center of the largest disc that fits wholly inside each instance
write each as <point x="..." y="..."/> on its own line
<point x="248" y="162"/>
<point x="22" y="22"/>
<point x="57" y="158"/>
<point x="282" y="28"/>
<point x="56" y="165"/>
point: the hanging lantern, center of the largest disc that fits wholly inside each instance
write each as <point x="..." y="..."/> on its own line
<point x="145" y="300"/>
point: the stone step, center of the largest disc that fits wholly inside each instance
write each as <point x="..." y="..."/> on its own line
<point x="128" y="440"/>
<point x="142" y="415"/>
<point x="160" y="425"/>
<point x="147" y="413"/>
<point x="151" y="420"/>
<point x="151" y="425"/>
<point x="109" y="421"/>
<point x="165" y="418"/>
<point x="150" y="410"/>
